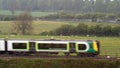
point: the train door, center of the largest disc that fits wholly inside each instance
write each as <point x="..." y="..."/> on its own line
<point x="72" y="48"/>
<point x="32" y="47"/>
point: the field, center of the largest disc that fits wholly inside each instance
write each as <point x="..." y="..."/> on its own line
<point x="41" y="26"/>
<point x="34" y="14"/>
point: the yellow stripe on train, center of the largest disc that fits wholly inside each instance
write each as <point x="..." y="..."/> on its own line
<point x="95" y="46"/>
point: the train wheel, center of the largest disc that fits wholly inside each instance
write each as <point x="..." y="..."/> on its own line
<point x="81" y="55"/>
<point x="90" y="55"/>
<point x="67" y="54"/>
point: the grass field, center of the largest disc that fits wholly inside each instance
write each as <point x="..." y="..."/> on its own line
<point x="109" y="45"/>
<point x="41" y="26"/>
<point x="58" y="63"/>
<point x="34" y="14"/>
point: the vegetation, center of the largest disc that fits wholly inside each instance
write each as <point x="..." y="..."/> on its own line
<point x="104" y="6"/>
<point x="43" y="26"/>
<point x="85" y="30"/>
<point x="39" y="26"/>
<point x="59" y="63"/>
<point x="7" y="13"/>
<point x="23" y="25"/>
<point x="92" y="16"/>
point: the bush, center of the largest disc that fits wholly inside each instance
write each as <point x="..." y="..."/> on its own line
<point x="65" y="30"/>
<point x="84" y="30"/>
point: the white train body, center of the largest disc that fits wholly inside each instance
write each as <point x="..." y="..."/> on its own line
<point x="2" y="45"/>
<point x="11" y="42"/>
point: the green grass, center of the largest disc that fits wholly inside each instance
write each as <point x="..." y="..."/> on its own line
<point x="5" y="27"/>
<point x="109" y="45"/>
<point x="34" y="13"/>
<point x="41" y="14"/>
<point x="58" y="63"/>
<point x="41" y="26"/>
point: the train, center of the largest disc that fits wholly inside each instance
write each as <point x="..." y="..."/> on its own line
<point x="49" y="46"/>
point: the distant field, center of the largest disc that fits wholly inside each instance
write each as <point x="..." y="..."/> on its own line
<point x="40" y="26"/>
<point x="109" y="45"/>
<point x="34" y="14"/>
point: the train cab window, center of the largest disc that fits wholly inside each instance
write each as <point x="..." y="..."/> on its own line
<point x="52" y="46"/>
<point x="82" y="46"/>
<point x="19" y="45"/>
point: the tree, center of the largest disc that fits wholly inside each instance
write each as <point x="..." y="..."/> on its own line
<point x="23" y="25"/>
<point x="65" y="30"/>
<point x="96" y="30"/>
<point x="116" y="31"/>
<point x="107" y="30"/>
<point x="12" y="6"/>
<point x="100" y="6"/>
<point x="81" y="29"/>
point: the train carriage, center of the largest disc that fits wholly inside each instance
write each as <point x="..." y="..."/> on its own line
<point x="80" y="47"/>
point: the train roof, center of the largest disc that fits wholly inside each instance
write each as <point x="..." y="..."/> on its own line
<point x="47" y="40"/>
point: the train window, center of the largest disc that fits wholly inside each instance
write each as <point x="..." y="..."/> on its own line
<point x="19" y="46"/>
<point x="82" y="46"/>
<point x="52" y="46"/>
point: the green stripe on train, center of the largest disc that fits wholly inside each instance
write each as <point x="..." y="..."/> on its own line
<point x="91" y="49"/>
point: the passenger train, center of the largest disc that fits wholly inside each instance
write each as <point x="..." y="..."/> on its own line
<point x="51" y="46"/>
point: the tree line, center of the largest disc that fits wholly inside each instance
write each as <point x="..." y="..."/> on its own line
<point x="95" y="17"/>
<point x="85" y="30"/>
<point x="64" y="15"/>
<point x="105" y="6"/>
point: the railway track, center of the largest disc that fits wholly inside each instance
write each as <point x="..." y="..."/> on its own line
<point x="55" y="57"/>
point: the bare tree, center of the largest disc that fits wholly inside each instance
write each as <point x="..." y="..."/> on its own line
<point x="23" y="25"/>
<point x="12" y="6"/>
